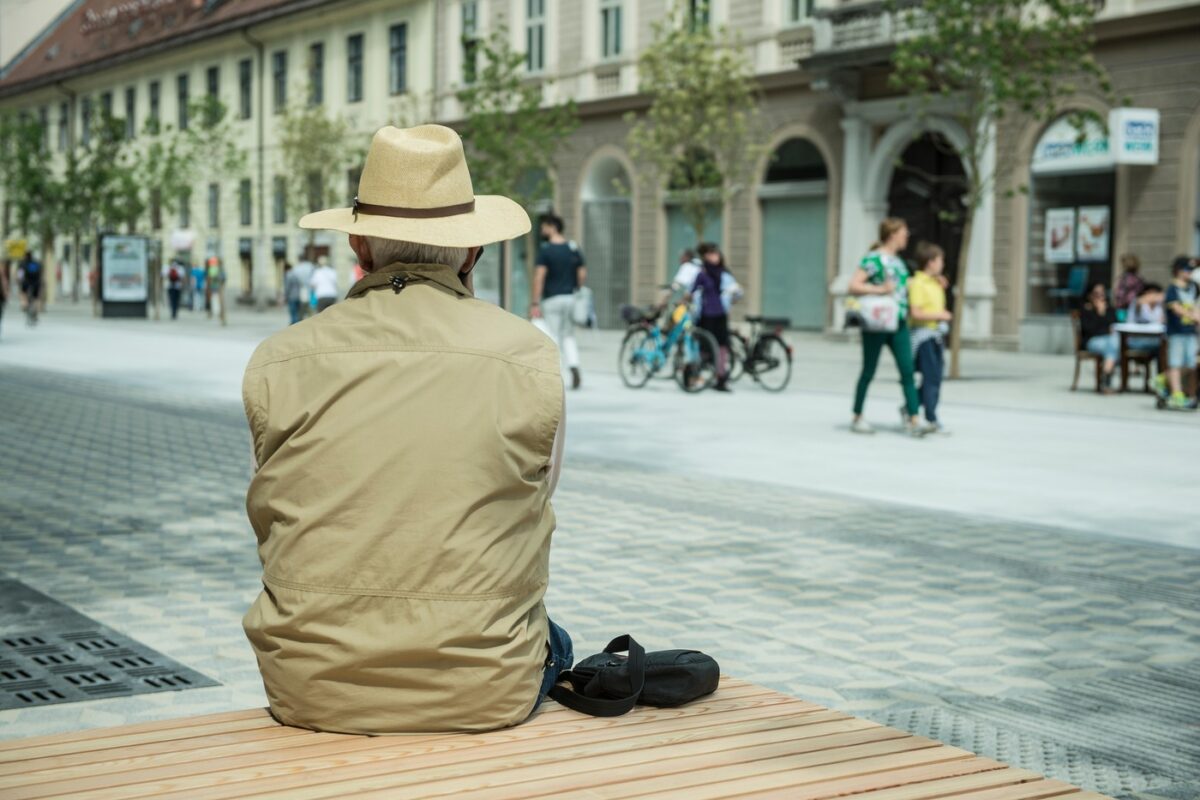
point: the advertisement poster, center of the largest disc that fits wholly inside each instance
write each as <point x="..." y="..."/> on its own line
<point x="125" y="267"/>
<point x="1091" y="242"/>
<point x="1060" y="235"/>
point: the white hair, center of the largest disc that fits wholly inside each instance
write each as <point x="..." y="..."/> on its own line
<point x="391" y="251"/>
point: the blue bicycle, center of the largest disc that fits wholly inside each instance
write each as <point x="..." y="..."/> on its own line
<point x="647" y="350"/>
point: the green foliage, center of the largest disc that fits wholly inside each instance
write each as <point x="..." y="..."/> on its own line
<point x="211" y="147"/>
<point x="993" y="60"/>
<point x="508" y="135"/>
<point x="700" y="135"/>
<point x="316" y="151"/>
<point x="29" y="188"/>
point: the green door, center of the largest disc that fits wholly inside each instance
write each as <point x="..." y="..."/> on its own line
<point x="794" y="279"/>
<point x="680" y="235"/>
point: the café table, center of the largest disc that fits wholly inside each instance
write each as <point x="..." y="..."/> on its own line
<point x="1129" y="330"/>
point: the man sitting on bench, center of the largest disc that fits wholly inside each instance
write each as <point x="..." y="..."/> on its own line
<point x="407" y="443"/>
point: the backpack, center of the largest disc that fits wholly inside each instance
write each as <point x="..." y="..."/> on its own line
<point x="173" y="275"/>
<point x="609" y="685"/>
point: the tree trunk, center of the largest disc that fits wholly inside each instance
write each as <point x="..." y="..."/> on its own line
<point x="75" y="265"/>
<point x="960" y="299"/>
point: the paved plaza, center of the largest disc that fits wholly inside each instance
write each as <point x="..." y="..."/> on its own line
<point x="1026" y="588"/>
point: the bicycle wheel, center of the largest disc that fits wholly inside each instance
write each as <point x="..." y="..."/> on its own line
<point x="696" y="360"/>
<point x="636" y="361"/>
<point x="771" y="364"/>
<point x="739" y="351"/>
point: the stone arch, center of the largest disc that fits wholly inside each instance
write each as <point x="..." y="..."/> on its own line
<point x="604" y="222"/>
<point x="893" y="143"/>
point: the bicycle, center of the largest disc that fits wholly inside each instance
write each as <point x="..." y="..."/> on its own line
<point x="645" y="350"/>
<point x="765" y="357"/>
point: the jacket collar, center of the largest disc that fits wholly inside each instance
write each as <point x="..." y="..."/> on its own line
<point x="446" y="277"/>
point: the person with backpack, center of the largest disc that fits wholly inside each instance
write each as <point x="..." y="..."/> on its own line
<point x="560" y="271"/>
<point x="883" y="273"/>
<point x="174" y="274"/>
<point x="31" y="285"/>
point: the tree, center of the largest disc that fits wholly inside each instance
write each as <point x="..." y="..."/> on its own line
<point x="31" y="191"/>
<point x="317" y="152"/>
<point x="988" y="61"/>
<point x="700" y="135"/>
<point x="507" y="132"/>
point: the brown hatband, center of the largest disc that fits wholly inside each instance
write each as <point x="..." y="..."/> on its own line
<point x="411" y="213"/>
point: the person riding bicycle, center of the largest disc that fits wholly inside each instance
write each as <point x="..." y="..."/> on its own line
<point x="31" y="284"/>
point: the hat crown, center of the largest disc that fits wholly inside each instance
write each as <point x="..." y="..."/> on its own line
<point x="422" y="167"/>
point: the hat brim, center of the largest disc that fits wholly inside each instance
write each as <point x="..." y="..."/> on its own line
<point x="495" y="219"/>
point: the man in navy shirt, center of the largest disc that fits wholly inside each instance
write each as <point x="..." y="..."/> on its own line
<point x="559" y="271"/>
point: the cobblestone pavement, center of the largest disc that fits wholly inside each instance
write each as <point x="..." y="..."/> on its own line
<point x="1054" y="650"/>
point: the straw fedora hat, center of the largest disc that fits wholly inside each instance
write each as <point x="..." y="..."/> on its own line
<point x="415" y="187"/>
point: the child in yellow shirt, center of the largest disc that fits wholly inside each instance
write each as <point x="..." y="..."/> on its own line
<point x="929" y="321"/>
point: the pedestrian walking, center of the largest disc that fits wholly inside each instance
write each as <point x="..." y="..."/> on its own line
<point x="215" y="280"/>
<point x="4" y="267"/>
<point x="323" y="284"/>
<point x="929" y="321"/>
<point x="32" y="281"/>
<point x="304" y="271"/>
<point x="174" y="275"/>
<point x="713" y="285"/>
<point x="559" y="272"/>
<point x="199" y="290"/>
<point x="292" y="291"/>
<point x="883" y="273"/>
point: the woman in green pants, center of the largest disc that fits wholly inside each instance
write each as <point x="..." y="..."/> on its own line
<point x="883" y="272"/>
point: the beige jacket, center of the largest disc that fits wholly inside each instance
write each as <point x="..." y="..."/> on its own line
<point x="402" y="508"/>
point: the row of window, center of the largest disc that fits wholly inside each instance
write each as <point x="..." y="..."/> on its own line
<point x="397" y="84"/>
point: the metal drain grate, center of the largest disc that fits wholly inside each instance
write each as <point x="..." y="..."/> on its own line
<point x="44" y="667"/>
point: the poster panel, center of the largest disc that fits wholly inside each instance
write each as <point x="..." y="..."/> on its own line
<point x="1060" y="235"/>
<point x="1092" y="233"/>
<point x="124" y="263"/>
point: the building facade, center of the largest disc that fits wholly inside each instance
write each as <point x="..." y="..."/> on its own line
<point x="843" y="150"/>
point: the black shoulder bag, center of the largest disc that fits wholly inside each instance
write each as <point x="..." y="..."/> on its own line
<point x="609" y="685"/>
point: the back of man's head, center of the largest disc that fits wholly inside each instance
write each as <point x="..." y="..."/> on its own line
<point x="553" y="220"/>
<point x="392" y="251"/>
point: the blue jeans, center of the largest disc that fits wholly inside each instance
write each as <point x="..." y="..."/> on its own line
<point x="294" y="310"/>
<point x="1108" y="346"/>
<point x="931" y="363"/>
<point x="561" y="658"/>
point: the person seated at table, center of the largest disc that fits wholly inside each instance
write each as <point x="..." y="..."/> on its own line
<point x="1147" y="309"/>
<point x="1096" y="319"/>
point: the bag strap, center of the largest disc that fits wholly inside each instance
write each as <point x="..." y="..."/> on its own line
<point x="601" y="707"/>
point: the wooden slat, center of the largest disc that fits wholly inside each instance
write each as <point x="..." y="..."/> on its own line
<point x="92" y="734"/>
<point x="679" y="763"/>
<point x="124" y="771"/>
<point x="961" y="785"/>
<point x="412" y="747"/>
<point x="744" y="741"/>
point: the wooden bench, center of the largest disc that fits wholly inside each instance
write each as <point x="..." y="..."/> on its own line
<point x="743" y="741"/>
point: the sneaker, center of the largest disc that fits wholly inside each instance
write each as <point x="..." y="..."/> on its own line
<point x="1180" y="402"/>
<point x="1160" y="386"/>
<point x="934" y="428"/>
<point x="576" y="378"/>
<point x="861" y="426"/>
<point x="916" y="431"/>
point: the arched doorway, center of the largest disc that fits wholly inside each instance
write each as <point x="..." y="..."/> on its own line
<point x="795" y="208"/>
<point x="927" y="192"/>
<point x="607" y="237"/>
